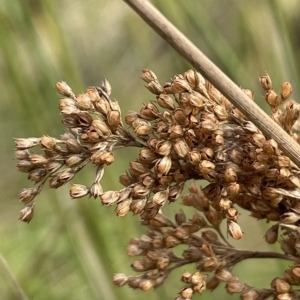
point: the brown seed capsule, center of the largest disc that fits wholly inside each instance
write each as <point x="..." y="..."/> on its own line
<point x="272" y="234"/>
<point x="171" y="241"/>
<point x="163" y="165"/>
<point x="206" y="166"/>
<point x="26" y="214"/>
<point x="179" y="85"/>
<point x="96" y="190"/>
<point x="165" y="101"/>
<point x="78" y="191"/>
<point x="251" y="294"/>
<point x="155" y="88"/>
<point x="120" y="279"/>
<point x="296" y="270"/>
<point x="64" y="89"/>
<point x="212" y="217"/>
<point x="189" y="76"/>
<point x="234" y="230"/>
<point x="186" y="277"/>
<point x="101" y="128"/>
<point x="160" y="198"/>
<point x="123" y="208"/>
<point x="181" y="147"/>
<point x="289" y="218"/>
<point x="28" y="194"/>
<point x="280" y="285"/>
<point x="234" y="286"/>
<point x="163" y="147"/>
<point x="102" y="157"/>
<point x="109" y="197"/>
<point x="137" y="206"/>
<point x="140" y="191"/>
<point x="148" y="75"/>
<point x="272" y="98"/>
<point x="230" y="175"/>
<point x="266" y="82"/>
<point x="286" y="90"/>
<point x="283" y="161"/>
<point x="83" y="102"/>
<point x="162" y="263"/>
<point x="208" y="126"/>
<point x="186" y="293"/>
<point x="37" y="175"/>
<point x="25" y="166"/>
<point x="149" y="112"/>
<point x="47" y="143"/>
<point x="114" y="119"/>
<point x="223" y="275"/>
<point x="180" y="117"/>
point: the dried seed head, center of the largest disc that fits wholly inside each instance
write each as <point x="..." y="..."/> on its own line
<point x="160" y="198"/>
<point x="250" y="294"/>
<point x="120" y="279"/>
<point x="79" y="191"/>
<point x="289" y="218"/>
<point x="165" y="101"/>
<point x="27" y="195"/>
<point x="272" y="99"/>
<point x="266" y="82"/>
<point x="196" y="99"/>
<point x="123" y="208"/>
<point x="179" y="85"/>
<point x="110" y="197"/>
<point x="96" y="190"/>
<point x="280" y="285"/>
<point x="114" y="119"/>
<point x="286" y="90"/>
<point x="102" y="157"/>
<point x="137" y="206"/>
<point x="26" y="214"/>
<point x="271" y="235"/>
<point x="206" y="166"/>
<point x="149" y="112"/>
<point x="193" y="78"/>
<point x="83" y="102"/>
<point x="186" y="292"/>
<point x="186" y="277"/>
<point x="163" y="147"/>
<point x="64" y="89"/>
<point x="155" y="88"/>
<point x="163" y="165"/>
<point x="270" y="147"/>
<point x="101" y="128"/>
<point x="223" y="275"/>
<point x="148" y="75"/>
<point x="47" y="143"/>
<point x="172" y="241"/>
<point x="181" y="147"/>
<point x="234" y="286"/>
<point x="234" y="230"/>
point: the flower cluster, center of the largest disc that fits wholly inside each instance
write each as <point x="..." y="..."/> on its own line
<point x="190" y="131"/>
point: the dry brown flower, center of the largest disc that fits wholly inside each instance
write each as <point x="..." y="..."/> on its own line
<point x="189" y="131"/>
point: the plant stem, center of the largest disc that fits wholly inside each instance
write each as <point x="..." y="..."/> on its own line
<point x="225" y="85"/>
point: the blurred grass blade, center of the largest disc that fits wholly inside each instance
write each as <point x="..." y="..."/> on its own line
<point x="13" y="287"/>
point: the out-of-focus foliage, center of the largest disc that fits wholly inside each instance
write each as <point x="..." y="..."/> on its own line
<point x="72" y="248"/>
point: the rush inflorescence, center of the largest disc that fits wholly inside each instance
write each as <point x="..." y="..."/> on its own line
<point x="189" y="131"/>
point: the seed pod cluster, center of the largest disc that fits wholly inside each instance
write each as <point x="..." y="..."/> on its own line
<point x="188" y="131"/>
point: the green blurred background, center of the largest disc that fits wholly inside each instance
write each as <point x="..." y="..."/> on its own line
<point x="72" y="248"/>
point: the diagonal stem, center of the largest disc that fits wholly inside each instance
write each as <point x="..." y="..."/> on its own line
<point x="226" y="86"/>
